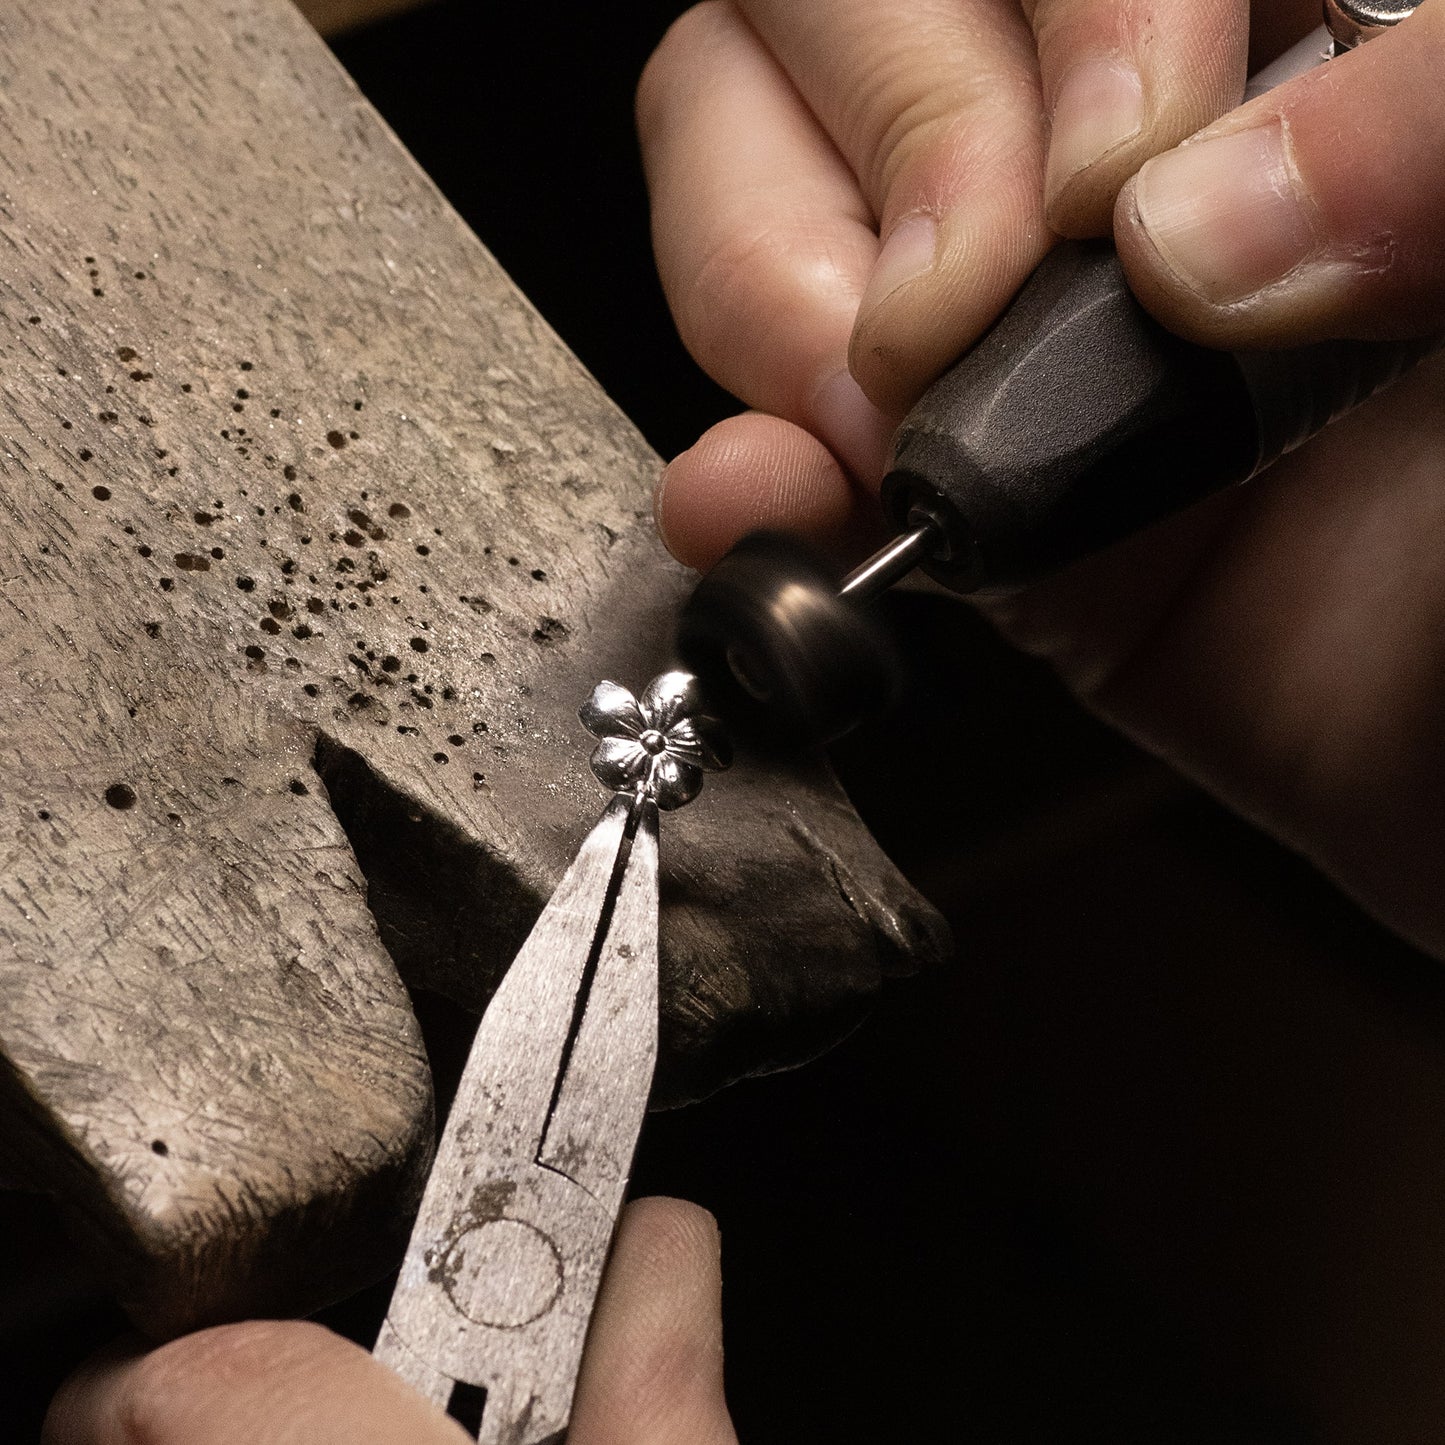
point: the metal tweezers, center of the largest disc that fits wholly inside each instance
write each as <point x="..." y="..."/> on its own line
<point x="490" y="1313"/>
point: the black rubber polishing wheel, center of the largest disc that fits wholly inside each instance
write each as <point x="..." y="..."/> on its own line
<point x="778" y="651"/>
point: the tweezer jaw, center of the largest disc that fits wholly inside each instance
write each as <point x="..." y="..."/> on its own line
<point x="490" y="1313"/>
<point x="504" y="1262"/>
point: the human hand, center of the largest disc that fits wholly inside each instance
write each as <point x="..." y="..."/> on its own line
<point x="651" y="1375"/>
<point x="1278" y="643"/>
<point x="781" y="140"/>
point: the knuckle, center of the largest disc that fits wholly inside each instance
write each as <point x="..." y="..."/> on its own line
<point x="711" y="315"/>
<point x="909" y="80"/>
<point x="746" y="289"/>
<point x="929" y="140"/>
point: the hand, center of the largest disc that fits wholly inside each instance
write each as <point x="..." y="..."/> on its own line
<point x="1279" y="643"/>
<point x="652" y="1374"/>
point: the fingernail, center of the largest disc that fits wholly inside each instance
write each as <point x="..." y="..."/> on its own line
<point x="855" y="431"/>
<point x="906" y="255"/>
<point x="1100" y="105"/>
<point x="1227" y="215"/>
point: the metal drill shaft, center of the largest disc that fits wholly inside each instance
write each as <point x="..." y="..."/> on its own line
<point x="890" y="564"/>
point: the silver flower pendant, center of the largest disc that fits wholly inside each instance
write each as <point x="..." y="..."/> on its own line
<point x="659" y="742"/>
<point x="490" y="1313"/>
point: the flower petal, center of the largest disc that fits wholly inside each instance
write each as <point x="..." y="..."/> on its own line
<point x="612" y="712"/>
<point x="668" y="699"/>
<point x="701" y="741"/>
<point x="673" y="783"/>
<point x="619" y="763"/>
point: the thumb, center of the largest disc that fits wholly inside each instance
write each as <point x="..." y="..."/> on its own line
<point x="652" y="1373"/>
<point x="1315" y="211"/>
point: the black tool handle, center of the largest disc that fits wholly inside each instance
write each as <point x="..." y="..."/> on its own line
<point x="1078" y="420"/>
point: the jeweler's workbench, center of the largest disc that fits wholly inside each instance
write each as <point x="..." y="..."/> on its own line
<point x="315" y="536"/>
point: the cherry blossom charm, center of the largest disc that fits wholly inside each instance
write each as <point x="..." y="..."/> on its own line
<point x="658" y="744"/>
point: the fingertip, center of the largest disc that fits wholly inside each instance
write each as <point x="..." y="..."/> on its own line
<point x="1153" y="281"/>
<point x="677" y="1239"/>
<point x="751" y="472"/>
<point x="77" y="1413"/>
<point x="652" y="1373"/>
<point x="910" y="329"/>
<point x="659" y="505"/>
<point x="1223" y="254"/>
<point x="858" y="434"/>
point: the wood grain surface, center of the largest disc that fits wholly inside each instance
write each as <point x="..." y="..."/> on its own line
<point x="314" y="536"/>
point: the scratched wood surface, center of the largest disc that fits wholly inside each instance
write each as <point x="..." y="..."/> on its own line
<point x="314" y="536"/>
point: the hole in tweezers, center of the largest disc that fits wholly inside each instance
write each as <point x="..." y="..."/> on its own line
<point x="465" y="1407"/>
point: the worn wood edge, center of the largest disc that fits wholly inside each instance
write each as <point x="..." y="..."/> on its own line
<point x="333" y="17"/>
<point x="164" y="1273"/>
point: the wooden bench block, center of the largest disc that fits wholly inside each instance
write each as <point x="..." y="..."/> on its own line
<point x="314" y="538"/>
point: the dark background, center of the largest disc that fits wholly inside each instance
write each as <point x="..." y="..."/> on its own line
<point x="1101" y="1178"/>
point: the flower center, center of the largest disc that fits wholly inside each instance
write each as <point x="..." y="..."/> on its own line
<point x="653" y="741"/>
